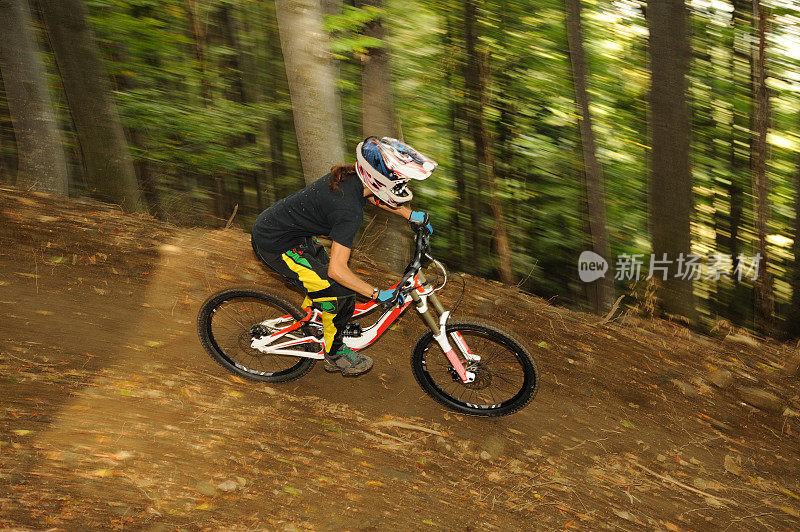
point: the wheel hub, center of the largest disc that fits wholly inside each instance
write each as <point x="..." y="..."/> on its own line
<point x="259" y="330"/>
<point x="483" y="377"/>
<point x="246" y="339"/>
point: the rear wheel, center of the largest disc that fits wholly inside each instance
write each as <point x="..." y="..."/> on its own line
<point x="506" y="377"/>
<point x="227" y="323"/>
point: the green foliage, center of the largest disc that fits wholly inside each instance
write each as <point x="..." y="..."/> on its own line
<point x="346" y="29"/>
<point x="206" y="97"/>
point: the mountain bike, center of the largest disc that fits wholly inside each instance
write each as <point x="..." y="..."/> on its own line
<point x="468" y="366"/>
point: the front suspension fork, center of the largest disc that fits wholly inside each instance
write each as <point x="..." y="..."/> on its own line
<point x="439" y="328"/>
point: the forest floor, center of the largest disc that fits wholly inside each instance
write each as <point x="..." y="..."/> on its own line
<point x="112" y="416"/>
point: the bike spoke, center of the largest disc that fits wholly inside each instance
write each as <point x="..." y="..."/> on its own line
<point x="499" y="376"/>
<point x="232" y="323"/>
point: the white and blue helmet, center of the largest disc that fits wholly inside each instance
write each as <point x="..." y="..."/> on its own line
<point x="386" y="165"/>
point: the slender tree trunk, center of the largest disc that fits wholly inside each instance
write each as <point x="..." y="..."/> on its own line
<point x="741" y="150"/>
<point x="378" y="119"/>
<point x="240" y="91"/>
<point x="197" y="32"/>
<point x="141" y="164"/>
<point x="312" y="86"/>
<point x="793" y="321"/>
<point x="457" y="241"/>
<point x="144" y="175"/>
<point x="476" y="82"/>
<point x="602" y="290"/>
<point x="670" y="199"/>
<point x="474" y="188"/>
<point x="762" y="286"/>
<point x="41" y="162"/>
<point x="8" y="150"/>
<point x="108" y="163"/>
<point x="277" y="166"/>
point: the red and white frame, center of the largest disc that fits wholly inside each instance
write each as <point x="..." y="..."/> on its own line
<point x="285" y="340"/>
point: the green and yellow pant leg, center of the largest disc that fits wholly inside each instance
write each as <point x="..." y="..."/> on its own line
<point x="336" y="312"/>
<point x="306" y="266"/>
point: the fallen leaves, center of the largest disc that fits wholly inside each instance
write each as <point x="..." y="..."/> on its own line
<point x="733" y="464"/>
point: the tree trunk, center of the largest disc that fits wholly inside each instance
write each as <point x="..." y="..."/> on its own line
<point x="741" y="142"/>
<point x="793" y="321"/>
<point x="457" y="240"/>
<point x="141" y="165"/>
<point x="474" y="187"/>
<point x="601" y="291"/>
<point x="8" y="150"/>
<point x="376" y="82"/>
<point x="312" y="86"/>
<point x="477" y="100"/>
<point x="144" y="175"/>
<point x="378" y="119"/>
<point x="241" y="91"/>
<point x="277" y="165"/>
<point x="197" y="32"/>
<point x="41" y="162"/>
<point x="762" y="285"/>
<point x="670" y="202"/>
<point x="108" y="163"/>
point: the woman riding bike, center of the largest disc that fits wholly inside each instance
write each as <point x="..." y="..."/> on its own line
<point x="283" y="236"/>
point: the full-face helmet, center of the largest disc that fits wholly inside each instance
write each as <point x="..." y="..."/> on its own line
<point x="386" y="165"/>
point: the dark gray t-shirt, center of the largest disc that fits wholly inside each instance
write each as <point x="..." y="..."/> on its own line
<point x="312" y="211"/>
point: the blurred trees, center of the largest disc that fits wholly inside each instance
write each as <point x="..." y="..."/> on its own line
<point x="104" y="150"/>
<point x="40" y="158"/>
<point x="490" y="90"/>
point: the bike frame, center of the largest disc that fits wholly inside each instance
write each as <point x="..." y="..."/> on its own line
<point x="417" y="291"/>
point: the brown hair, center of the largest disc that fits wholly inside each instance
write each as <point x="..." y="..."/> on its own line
<point x="340" y="173"/>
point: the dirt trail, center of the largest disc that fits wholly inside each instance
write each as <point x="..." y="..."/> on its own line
<point x="112" y="415"/>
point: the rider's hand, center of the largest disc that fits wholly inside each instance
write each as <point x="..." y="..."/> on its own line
<point x="420" y="218"/>
<point x="388" y="298"/>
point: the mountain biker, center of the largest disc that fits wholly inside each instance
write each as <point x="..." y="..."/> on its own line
<point x="283" y="236"/>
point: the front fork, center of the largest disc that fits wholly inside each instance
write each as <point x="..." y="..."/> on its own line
<point x="439" y="328"/>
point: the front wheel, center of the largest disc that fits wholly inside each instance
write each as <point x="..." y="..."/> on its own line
<point x="506" y="377"/>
